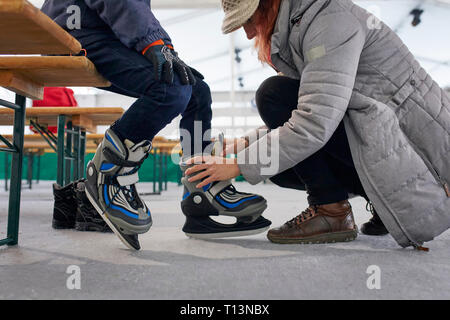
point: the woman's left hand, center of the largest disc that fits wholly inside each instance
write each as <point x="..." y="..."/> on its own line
<point x="215" y="169"/>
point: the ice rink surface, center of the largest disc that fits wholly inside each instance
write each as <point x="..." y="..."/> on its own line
<point x="171" y="266"/>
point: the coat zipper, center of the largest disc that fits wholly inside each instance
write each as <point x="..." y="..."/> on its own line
<point x="436" y="175"/>
<point x="296" y="20"/>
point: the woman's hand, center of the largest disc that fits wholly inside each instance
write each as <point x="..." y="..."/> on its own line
<point x="234" y="146"/>
<point x="213" y="169"/>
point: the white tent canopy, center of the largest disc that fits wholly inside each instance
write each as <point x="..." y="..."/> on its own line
<point x="194" y="26"/>
<point x="158" y="4"/>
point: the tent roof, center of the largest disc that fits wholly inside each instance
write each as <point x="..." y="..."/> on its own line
<point x="195" y="30"/>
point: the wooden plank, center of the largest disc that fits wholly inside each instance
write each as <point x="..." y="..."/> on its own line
<point x="83" y="121"/>
<point x="20" y="84"/>
<point x="49" y="115"/>
<point x="53" y="111"/>
<point x="44" y="145"/>
<point x="55" y="71"/>
<point x="24" y="29"/>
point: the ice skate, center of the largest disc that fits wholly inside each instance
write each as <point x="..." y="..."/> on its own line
<point x="110" y="187"/>
<point x="220" y="199"/>
<point x="87" y="218"/>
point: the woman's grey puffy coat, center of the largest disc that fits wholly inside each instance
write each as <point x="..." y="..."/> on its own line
<point x="397" y="118"/>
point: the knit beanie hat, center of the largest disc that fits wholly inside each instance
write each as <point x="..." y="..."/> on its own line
<point x="237" y="13"/>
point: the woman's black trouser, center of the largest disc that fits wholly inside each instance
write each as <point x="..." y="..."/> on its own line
<point x="329" y="175"/>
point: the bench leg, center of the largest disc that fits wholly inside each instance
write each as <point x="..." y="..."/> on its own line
<point x="160" y="163"/>
<point x="154" y="171"/>
<point x="82" y="153"/>
<point x="6" y="170"/>
<point x="76" y="153"/>
<point x="30" y="170"/>
<point x="166" y="171"/>
<point x="16" y="172"/>
<point x="38" y="174"/>
<point x="61" y="149"/>
<point x="69" y="154"/>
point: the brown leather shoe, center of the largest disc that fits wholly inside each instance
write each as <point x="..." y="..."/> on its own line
<point x="318" y="224"/>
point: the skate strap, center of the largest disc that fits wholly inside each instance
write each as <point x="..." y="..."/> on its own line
<point x="115" y="159"/>
<point x="218" y="187"/>
<point x="128" y="180"/>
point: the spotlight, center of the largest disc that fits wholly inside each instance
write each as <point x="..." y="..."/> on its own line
<point x="241" y="82"/>
<point x="238" y="51"/>
<point x="417" y="13"/>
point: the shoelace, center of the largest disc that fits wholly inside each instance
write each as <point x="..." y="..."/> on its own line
<point x="302" y="217"/>
<point x="375" y="217"/>
<point x="369" y="207"/>
<point x="129" y="192"/>
<point x="232" y="189"/>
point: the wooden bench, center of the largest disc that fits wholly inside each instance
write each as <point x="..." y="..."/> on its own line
<point x="26" y="30"/>
<point x="70" y="143"/>
<point x="86" y="118"/>
<point x="29" y="75"/>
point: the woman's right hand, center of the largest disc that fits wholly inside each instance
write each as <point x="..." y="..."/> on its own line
<point x="234" y="146"/>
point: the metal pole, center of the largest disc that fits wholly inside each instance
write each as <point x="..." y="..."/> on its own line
<point x="6" y="170"/>
<point x="154" y="170"/>
<point x="60" y="153"/>
<point x="82" y="153"/>
<point x="16" y="172"/>
<point x="166" y="169"/>
<point x="38" y="168"/>
<point x="233" y="77"/>
<point x="69" y="137"/>
<point x="160" y="164"/>
<point x="30" y="170"/>
<point x="77" y="153"/>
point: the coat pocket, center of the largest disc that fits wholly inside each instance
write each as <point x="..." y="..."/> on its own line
<point x="431" y="167"/>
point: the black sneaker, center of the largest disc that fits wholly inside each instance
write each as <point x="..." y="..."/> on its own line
<point x="65" y="207"/>
<point x="87" y="218"/>
<point x="374" y="227"/>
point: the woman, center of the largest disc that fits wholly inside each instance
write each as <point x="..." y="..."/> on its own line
<point x="354" y="114"/>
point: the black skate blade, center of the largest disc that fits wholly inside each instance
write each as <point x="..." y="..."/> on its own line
<point x="233" y="234"/>
<point x="131" y="241"/>
<point x="206" y="228"/>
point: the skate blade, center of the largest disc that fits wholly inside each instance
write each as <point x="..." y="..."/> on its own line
<point x="221" y="235"/>
<point x="108" y="222"/>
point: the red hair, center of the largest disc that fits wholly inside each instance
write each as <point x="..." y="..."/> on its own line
<point x="264" y="21"/>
